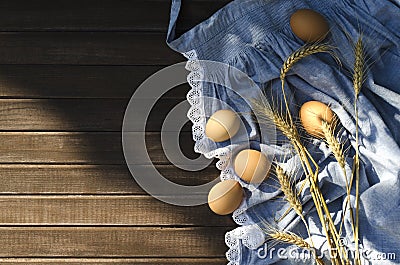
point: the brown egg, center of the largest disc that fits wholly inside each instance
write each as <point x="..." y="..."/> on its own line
<point x="312" y="113"/>
<point x="309" y="25"/>
<point x="251" y="165"/>
<point x="225" y="197"/>
<point x="222" y="125"/>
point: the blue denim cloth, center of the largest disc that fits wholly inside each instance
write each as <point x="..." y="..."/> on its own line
<point x="255" y="37"/>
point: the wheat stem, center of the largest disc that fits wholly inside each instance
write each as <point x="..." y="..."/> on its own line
<point x="290" y="131"/>
<point x="288" y="128"/>
<point x="358" y="77"/>
<point x="320" y="205"/>
<point x="328" y="130"/>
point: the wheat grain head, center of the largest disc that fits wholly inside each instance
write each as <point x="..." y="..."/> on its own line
<point x="267" y="114"/>
<point x="290" y="238"/>
<point x="301" y="53"/>
<point x="336" y="147"/>
<point x="358" y="75"/>
<point x="287" y="189"/>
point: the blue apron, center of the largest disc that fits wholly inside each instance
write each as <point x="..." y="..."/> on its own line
<point x="254" y="36"/>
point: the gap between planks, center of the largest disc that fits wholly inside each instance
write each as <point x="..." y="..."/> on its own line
<point x="122" y="261"/>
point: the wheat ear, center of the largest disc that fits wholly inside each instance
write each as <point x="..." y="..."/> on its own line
<point x="358" y="75"/>
<point x="290" y="238"/>
<point x="287" y="189"/>
<point x="291" y="196"/>
<point x="268" y="114"/>
<point x="300" y="54"/>
<point x="336" y="147"/>
<point x="296" y="56"/>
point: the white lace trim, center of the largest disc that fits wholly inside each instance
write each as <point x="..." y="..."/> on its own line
<point x="248" y="235"/>
<point x="197" y="116"/>
<point x="195" y="98"/>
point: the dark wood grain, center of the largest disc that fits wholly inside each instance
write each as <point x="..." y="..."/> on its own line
<point x="100" y="15"/>
<point x="112" y="242"/>
<point x="81" y="148"/>
<point x="86" y="48"/>
<point x="83" y="114"/>
<point x="122" y="261"/>
<point x="74" y="81"/>
<point x="67" y="71"/>
<point x="89" y="179"/>
<point x="109" y="210"/>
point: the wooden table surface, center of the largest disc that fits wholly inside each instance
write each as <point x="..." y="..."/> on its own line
<point x="67" y="71"/>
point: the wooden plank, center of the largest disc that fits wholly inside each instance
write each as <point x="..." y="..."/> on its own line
<point x="77" y="148"/>
<point x="99" y="15"/>
<point x="89" y="179"/>
<point x="66" y="81"/>
<point x="78" y="210"/>
<point x="82" y="114"/>
<point x="122" y="261"/>
<point x="81" y="148"/>
<point x="86" y="48"/>
<point x="112" y="242"/>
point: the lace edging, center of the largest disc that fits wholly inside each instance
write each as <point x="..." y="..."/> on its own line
<point x="248" y="234"/>
<point x="197" y="116"/>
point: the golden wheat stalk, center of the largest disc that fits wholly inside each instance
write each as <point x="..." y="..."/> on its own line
<point x="334" y="145"/>
<point x="267" y="114"/>
<point x="337" y="150"/>
<point x="301" y="53"/>
<point x="287" y="189"/>
<point x="288" y="128"/>
<point x="296" y="56"/>
<point x="291" y="197"/>
<point x="290" y="238"/>
<point x="276" y="235"/>
<point x="358" y="75"/>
